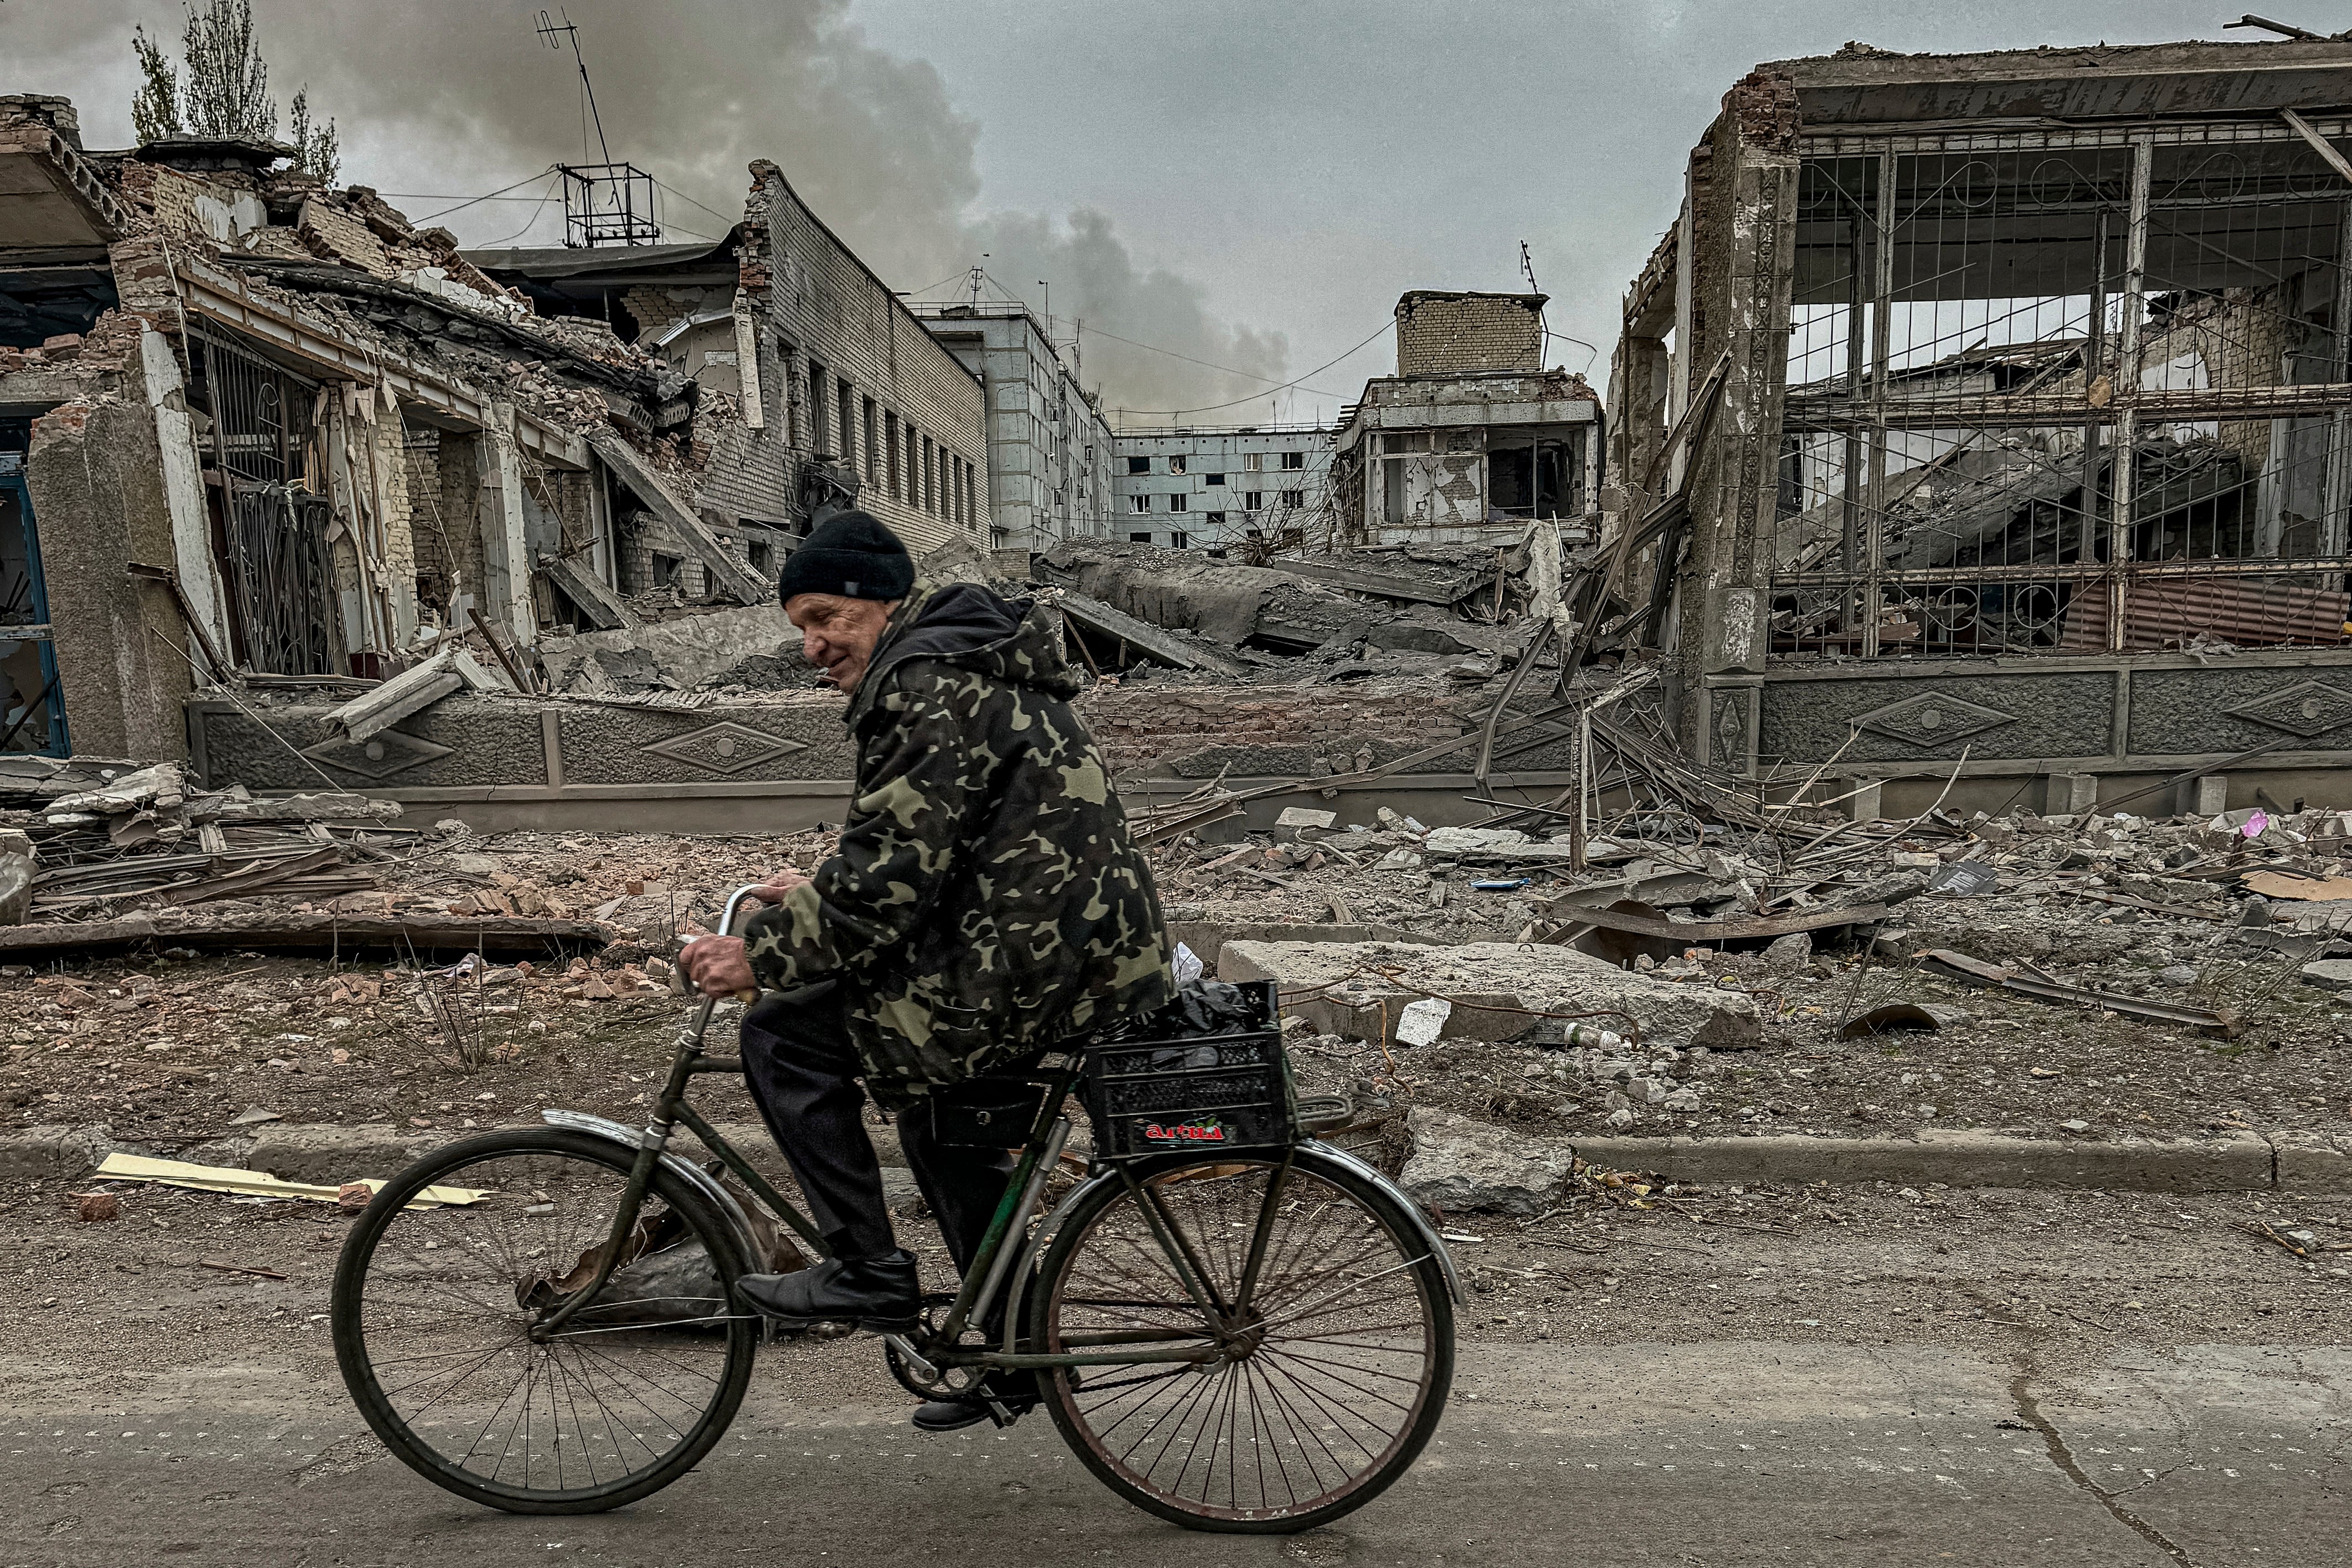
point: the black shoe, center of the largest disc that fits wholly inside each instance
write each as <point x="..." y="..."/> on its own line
<point x="877" y="1293"/>
<point x="1013" y="1391"/>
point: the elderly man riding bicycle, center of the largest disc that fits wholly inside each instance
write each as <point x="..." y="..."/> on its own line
<point x="985" y="902"/>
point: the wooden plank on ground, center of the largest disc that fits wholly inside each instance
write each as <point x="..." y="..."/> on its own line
<point x="253" y="877"/>
<point x="1699" y="933"/>
<point x="730" y="574"/>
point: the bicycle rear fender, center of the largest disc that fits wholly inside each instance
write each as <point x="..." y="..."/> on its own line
<point x="1314" y="1148"/>
<point x="702" y="1180"/>
<point x="1429" y="1236"/>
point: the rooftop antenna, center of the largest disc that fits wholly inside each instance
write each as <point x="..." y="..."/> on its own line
<point x="971" y="280"/>
<point x="607" y="202"/>
<point x="1527" y="268"/>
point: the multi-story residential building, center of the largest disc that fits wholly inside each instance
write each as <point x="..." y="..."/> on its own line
<point x="1201" y="487"/>
<point x="1049" y="450"/>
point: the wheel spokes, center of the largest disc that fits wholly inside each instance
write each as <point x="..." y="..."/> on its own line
<point x="1325" y="1350"/>
<point x="451" y="1295"/>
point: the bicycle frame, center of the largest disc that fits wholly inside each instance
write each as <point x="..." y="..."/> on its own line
<point x="1006" y="1251"/>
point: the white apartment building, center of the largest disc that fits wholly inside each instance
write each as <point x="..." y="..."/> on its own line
<point x="1050" y="453"/>
<point x="1204" y="486"/>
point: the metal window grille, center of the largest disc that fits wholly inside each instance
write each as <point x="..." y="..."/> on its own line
<point x="2066" y="394"/>
<point x="269" y="531"/>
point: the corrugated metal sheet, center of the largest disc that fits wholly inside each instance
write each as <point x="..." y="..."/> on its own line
<point x="2165" y="613"/>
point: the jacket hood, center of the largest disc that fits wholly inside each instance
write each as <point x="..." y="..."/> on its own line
<point x="971" y="628"/>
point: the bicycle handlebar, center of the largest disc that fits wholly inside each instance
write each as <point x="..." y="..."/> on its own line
<point x="734" y="899"/>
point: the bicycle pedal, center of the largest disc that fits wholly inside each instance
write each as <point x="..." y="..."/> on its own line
<point x="1000" y="1415"/>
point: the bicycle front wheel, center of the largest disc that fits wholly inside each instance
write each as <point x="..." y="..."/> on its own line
<point x="436" y="1304"/>
<point x="1322" y="1360"/>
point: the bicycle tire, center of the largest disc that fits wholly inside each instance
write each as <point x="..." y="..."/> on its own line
<point x="1081" y="1406"/>
<point x="586" y="1156"/>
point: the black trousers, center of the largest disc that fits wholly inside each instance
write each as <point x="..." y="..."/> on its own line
<point x="803" y="1071"/>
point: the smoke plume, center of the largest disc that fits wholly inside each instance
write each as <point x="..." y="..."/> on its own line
<point x="433" y="99"/>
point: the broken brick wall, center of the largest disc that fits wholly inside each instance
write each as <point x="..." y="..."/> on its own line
<point x="463" y="470"/>
<point x="1466" y="334"/>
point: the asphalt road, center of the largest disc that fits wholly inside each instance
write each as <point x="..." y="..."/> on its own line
<point x="1698" y="1456"/>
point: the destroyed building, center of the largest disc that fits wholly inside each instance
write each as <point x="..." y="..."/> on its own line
<point x="841" y="390"/>
<point x="1981" y="423"/>
<point x="1210" y="486"/>
<point x="1049" y="447"/>
<point x="260" y="432"/>
<point x="1472" y="439"/>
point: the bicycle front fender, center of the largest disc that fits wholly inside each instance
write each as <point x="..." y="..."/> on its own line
<point x="694" y="1176"/>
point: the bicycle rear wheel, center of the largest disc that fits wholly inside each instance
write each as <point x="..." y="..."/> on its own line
<point x="433" y="1310"/>
<point x="1308" y="1401"/>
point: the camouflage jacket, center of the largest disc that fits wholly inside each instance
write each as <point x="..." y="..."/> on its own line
<point x="985" y="899"/>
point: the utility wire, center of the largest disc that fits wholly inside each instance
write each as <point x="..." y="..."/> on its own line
<point x="501" y="190"/>
<point x="1189" y="359"/>
<point x="1211" y="408"/>
<point x="544" y="197"/>
<point x="690" y="202"/>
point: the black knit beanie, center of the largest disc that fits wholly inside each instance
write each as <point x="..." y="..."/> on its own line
<point x="850" y="554"/>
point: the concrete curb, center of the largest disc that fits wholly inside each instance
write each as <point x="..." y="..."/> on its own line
<point x="2239" y="1163"/>
<point x="2284" y="1161"/>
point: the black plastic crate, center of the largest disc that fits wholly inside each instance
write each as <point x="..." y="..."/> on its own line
<point x="1230" y="1090"/>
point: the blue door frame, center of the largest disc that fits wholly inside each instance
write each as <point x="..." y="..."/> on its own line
<point x="12" y="484"/>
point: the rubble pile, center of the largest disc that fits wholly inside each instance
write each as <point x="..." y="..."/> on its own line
<point x="2087" y="975"/>
<point x="86" y="842"/>
<point x="1449" y="613"/>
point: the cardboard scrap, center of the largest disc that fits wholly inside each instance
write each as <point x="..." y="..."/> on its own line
<point x="2302" y="888"/>
<point x="262" y="1184"/>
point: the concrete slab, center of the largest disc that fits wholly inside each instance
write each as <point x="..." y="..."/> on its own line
<point x="1360" y="988"/>
<point x="2311" y="1162"/>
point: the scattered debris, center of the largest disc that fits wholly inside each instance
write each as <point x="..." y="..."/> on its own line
<point x="2027" y="981"/>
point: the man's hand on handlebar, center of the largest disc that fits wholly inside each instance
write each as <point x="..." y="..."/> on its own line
<point x="716" y="967"/>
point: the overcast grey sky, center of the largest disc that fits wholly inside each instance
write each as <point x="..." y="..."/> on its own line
<point x="1243" y="182"/>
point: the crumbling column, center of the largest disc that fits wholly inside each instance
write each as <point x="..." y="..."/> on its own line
<point x="181" y="473"/>
<point x="1749" y="233"/>
<point x="97" y="480"/>
<point x="506" y="555"/>
<point x="388" y="478"/>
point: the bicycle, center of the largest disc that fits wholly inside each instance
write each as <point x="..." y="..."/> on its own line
<point x="1248" y="1331"/>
